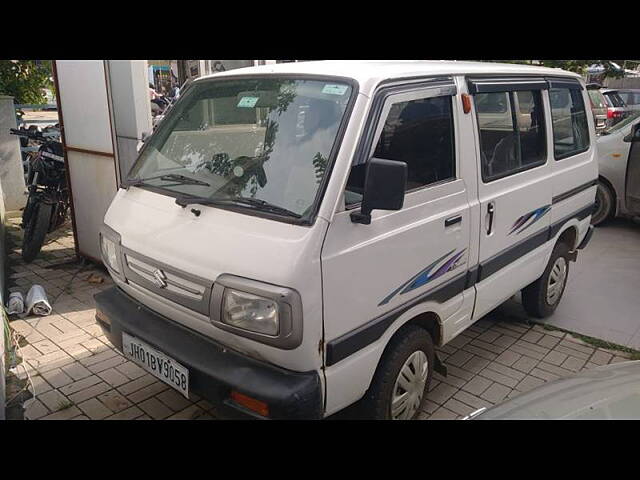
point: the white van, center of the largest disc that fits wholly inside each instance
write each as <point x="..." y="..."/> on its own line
<point x="296" y="238"/>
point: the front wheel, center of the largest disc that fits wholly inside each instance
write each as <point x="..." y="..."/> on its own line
<point x="399" y="387"/>
<point x="541" y="298"/>
<point x="604" y="205"/>
<point x="35" y="229"/>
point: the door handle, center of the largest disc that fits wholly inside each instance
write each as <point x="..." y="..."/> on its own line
<point x="491" y="208"/>
<point x="453" y="220"/>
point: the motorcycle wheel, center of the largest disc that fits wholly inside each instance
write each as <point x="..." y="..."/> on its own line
<point x="35" y="230"/>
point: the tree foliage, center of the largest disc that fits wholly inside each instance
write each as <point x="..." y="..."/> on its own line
<point x="25" y="80"/>
<point x="577" y="66"/>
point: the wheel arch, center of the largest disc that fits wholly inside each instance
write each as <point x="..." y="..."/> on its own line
<point x="569" y="236"/>
<point x="427" y="320"/>
<point x="606" y="182"/>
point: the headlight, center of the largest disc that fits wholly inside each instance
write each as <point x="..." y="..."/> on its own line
<point x="109" y="246"/>
<point x="250" y="312"/>
<point x="263" y="312"/>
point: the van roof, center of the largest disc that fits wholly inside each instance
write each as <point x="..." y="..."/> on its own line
<point x="368" y="73"/>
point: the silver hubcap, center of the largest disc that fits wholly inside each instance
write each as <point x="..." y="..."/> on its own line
<point x="557" y="278"/>
<point x="409" y="387"/>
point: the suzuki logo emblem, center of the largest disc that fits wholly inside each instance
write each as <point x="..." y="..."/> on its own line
<point x="159" y="278"/>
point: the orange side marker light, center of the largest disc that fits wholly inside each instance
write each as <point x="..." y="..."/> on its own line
<point x="250" y="403"/>
<point x="466" y="102"/>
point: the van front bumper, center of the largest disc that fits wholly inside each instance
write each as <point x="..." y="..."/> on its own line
<point x="214" y="370"/>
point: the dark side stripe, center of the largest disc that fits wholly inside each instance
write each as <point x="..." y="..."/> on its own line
<point x="357" y="339"/>
<point x="511" y="254"/>
<point x="573" y="191"/>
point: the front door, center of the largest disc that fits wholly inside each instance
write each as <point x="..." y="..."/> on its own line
<point x="632" y="189"/>
<point x="514" y="188"/>
<point x="370" y="270"/>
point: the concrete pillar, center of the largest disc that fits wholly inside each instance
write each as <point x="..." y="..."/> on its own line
<point x="11" y="170"/>
<point x="131" y="108"/>
<point x="3" y="256"/>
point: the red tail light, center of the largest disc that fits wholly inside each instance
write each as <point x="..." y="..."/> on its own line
<point x="611" y="113"/>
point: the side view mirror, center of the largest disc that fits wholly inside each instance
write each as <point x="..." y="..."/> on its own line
<point x="634" y="136"/>
<point x="384" y="186"/>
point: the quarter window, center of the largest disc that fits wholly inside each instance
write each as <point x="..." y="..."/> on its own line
<point x="512" y="140"/>
<point x="420" y="133"/>
<point x="569" y="120"/>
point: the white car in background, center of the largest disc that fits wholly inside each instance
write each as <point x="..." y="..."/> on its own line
<point x="610" y="392"/>
<point x="619" y="163"/>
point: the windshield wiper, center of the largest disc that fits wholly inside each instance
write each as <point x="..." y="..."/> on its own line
<point x="254" y="203"/>
<point x="267" y="206"/>
<point x="172" y="177"/>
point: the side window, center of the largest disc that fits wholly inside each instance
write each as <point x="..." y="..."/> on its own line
<point x="492" y="103"/>
<point x="626" y="97"/>
<point x="420" y="133"/>
<point x="569" y="121"/>
<point x="515" y="140"/>
<point x="525" y="102"/>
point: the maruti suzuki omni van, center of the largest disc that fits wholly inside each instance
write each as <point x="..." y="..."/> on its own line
<point x="297" y="238"/>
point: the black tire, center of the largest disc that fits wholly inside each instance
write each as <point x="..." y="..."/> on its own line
<point x="605" y="205"/>
<point x="35" y="230"/>
<point x="534" y="296"/>
<point x="376" y="404"/>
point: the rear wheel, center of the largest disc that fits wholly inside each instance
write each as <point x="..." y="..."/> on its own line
<point x="541" y="298"/>
<point x="399" y="387"/>
<point x="604" y="204"/>
<point x="35" y="230"/>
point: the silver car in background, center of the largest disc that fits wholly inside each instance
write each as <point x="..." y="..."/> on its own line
<point x="617" y="108"/>
<point x="630" y="96"/>
<point x="618" y="191"/>
<point x="599" y="107"/>
<point x="611" y="392"/>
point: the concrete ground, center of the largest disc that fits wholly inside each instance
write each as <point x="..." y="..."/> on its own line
<point x="602" y="299"/>
<point x="76" y="374"/>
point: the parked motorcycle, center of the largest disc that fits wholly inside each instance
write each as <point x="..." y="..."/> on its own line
<point x="49" y="200"/>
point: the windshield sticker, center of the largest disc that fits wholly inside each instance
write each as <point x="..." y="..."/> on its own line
<point x="248" y="102"/>
<point x="333" y="89"/>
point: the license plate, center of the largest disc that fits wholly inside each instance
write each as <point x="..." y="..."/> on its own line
<point x="156" y="363"/>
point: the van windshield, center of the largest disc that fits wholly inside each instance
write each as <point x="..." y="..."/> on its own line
<point x="264" y="139"/>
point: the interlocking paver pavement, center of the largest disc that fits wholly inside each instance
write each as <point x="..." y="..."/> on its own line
<point x="77" y="374"/>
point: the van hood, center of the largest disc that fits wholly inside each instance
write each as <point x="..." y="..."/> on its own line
<point x="192" y="251"/>
<point x="218" y="241"/>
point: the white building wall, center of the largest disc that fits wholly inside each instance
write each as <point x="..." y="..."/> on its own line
<point x="3" y="256"/>
<point x="11" y="170"/>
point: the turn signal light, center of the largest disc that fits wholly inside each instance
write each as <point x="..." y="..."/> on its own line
<point x="466" y="102"/>
<point x="250" y="403"/>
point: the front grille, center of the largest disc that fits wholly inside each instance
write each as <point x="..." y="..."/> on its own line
<point x="172" y="284"/>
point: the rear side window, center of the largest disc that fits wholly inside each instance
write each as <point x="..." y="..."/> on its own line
<point x="631" y="98"/>
<point x="627" y="97"/>
<point x="615" y="100"/>
<point x="569" y="121"/>
<point x="514" y="140"/>
<point x="492" y="103"/>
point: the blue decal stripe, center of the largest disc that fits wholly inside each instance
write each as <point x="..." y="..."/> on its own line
<point x="521" y="224"/>
<point x="425" y="276"/>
